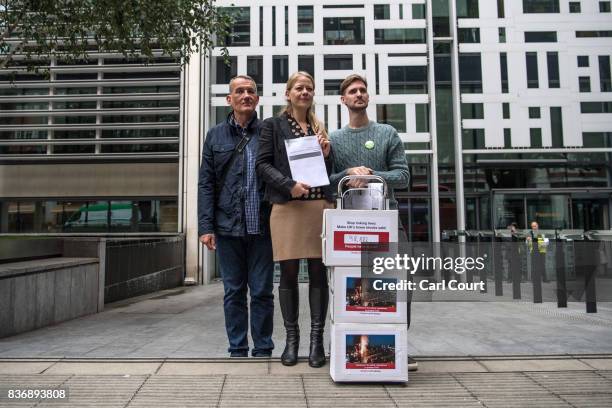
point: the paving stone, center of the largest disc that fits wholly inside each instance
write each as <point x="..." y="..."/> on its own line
<point x="590" y="400"/>
<point x="179" y="391"/>
<point x="24" y="367"/>
<point x="572" y="382"/>
<point x="598" y="363"/>
<point x="213" y="368"/>
<point x="535" y="365"/>
<point x="499" y="384"/>
<point x="450" y="367"/>
<point x="109" y="368"/>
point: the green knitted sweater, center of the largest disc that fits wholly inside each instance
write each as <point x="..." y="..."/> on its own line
<point x="386" y="158"/>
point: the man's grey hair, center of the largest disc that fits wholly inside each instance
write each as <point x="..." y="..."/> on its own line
<point x="248" y="78"/>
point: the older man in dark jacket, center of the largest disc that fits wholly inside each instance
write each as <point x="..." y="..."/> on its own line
<point x="234" y="220"/>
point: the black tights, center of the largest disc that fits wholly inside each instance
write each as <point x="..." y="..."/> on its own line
<point x="317" y="275"/>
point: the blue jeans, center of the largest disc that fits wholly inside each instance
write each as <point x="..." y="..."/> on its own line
<point x="247" y="262"/>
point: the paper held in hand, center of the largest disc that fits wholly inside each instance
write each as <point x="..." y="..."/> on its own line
<point x="306" y="161"/>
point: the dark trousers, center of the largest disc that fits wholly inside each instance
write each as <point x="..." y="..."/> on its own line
<point x="246" y="262"/>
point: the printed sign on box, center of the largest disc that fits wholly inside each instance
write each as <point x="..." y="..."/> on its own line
<point x="365" y="352"/>
<point x="356" y="299"/>
<point x="347" y="232"/>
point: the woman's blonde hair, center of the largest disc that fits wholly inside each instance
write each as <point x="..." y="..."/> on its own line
<point x="316" y="124"/>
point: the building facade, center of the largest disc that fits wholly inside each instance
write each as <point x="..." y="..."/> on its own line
<point x="505" y="109"/>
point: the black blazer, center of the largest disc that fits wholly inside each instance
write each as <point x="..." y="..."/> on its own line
<point x="273" y="165"/>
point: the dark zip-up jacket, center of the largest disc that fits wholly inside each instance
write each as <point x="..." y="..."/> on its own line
<point x="221" y="208"/>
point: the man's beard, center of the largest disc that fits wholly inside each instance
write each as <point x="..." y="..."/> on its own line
<point x="358" y="109"/>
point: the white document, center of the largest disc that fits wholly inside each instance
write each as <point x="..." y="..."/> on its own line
<point x="306" y="161"/>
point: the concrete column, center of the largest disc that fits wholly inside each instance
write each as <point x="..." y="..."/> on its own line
<point x="192" y="109"/>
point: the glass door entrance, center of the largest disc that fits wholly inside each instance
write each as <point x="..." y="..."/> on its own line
<point x="578" y="210"/>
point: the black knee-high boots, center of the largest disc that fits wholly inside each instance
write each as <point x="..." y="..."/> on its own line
<point x="289" y="300"/>
<point x="289" y="304"/>
<point x="318" y="298"/>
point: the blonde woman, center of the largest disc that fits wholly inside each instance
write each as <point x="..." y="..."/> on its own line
<point x="296" y="217"/>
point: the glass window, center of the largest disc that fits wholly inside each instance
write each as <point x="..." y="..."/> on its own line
<point x="332" y="86"/>
<point x="556" y="126"/>
<point x="469" y="35"/>
<point x="305" y="19"/>
<point x="604" y="6"/>
<point x="223" y="71"/>
<point x="500" y="9"/>
<point x="418" y="11"/>
<point x="472" y="111"/>
<point x="399" y="36"/>
<point x="532" y="70"/>
<point x="473" y="138"/>
<point x="535" y="137"/>
<point x="68" y="105"/>
<point x="605" y="80"/>
<point x="422" y="117"/>
<point x="506" y="110"/>
<point x="595" y="107"/>
<point x="467" y="8"/>
<point x="534" y="112"/>
<point x="240" y="34"/>
<point x="11" y="106"/>
<point x="221" y="113"/>
<point x="141" y="148"/>
<point x="594" y="34"/>
<point x="338" y="62"/>
<point x="306" y="64"/>
<point x="392" y="114"/>
<point x="343" y="30"/>
<point x="503" y="62"/>
<point x="540" y="36"/>
<point x="74" y="134"/>
<point x="74" y="149"/>
<point x="470" y="73"/>
<point x="255" y="71"/>
<point x="552" y="62"/>
<point x="574" y="6"/>
<point x="23" y="134"/>
<point x="507" y="138"/>
<point x="583" y="60"/>
<point x="408" y="80"/>
<point x="540" y="6"/>
<point x="141" y="133"/>
<point x="502" y="34"/>
<point x="280" y="69"/>
<point x="24" y="120"/>
<point x="584" y="83"/>
<point x="597" y="139"/>
<point x="382" y="12"/>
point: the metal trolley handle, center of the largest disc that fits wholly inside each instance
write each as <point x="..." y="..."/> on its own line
<point x="344" y="194"/>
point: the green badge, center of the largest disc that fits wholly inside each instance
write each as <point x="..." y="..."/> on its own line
<point x="369" y="145"/>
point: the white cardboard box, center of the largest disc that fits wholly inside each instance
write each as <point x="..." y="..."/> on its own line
<point x="368" y="352"/>
<point x="354" y="299"/>
<point x="345" y="230"/>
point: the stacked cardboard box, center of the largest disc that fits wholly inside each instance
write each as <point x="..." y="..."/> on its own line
<point x="368" y="326"/>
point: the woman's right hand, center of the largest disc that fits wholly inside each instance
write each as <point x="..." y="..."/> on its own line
<point x="299" y="190"/>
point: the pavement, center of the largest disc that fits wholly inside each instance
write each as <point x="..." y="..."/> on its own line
<point x="168" y="349"/>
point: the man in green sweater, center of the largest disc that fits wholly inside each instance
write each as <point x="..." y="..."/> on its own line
<point x="365" y="147"/>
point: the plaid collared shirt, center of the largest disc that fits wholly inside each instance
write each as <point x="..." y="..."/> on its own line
<point x="251" y="202"/>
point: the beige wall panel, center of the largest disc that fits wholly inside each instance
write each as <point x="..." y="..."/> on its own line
<point x="89" y="180"/>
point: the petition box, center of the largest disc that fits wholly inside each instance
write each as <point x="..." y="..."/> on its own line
<point x="363" y="300"/>
<point x="368" y="352"/>
<point x="347" y="232"/>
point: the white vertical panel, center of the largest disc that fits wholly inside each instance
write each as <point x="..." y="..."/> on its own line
<point x="254" y="26"/>
<point x="267" y="23"/>
<point x="494" y="127"/>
